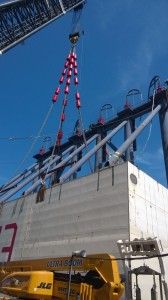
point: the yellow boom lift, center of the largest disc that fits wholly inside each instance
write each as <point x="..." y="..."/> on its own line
<point x="95" y="277"/>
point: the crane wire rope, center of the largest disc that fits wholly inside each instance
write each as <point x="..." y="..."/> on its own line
<point x="53" y="151"/>
<point x="31" y="137"/>
<point x="75" y="21"/>
<point x="34" y="142"/>
<point x="78" y="105"/>
<point x="150" y="128"/>
<point x="81" y="61"/>
<point x="55" y="97"/>
<point x="75" y="29"/>
<point x="79" y="110"/>
<point x="84" y="138"/>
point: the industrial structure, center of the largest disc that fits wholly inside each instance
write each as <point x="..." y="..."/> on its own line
<point x="59" y="212"/>
<point x="63" y="162"/>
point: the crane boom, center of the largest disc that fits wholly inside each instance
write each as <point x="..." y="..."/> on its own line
<point x="97" y="278"/>
<point x="21" y="18"/>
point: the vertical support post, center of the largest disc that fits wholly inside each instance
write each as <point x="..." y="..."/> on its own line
<point x="69" y="281"/>
<point x="98" y="155"/>
<point x="160" y="285"/>
<point x="34" y="180"/>
<point x="37" y="177"/>
<point x="138" y="290"/>
<point x="163" y="117"/>
<point x="153" y="289"/>
<point x="129" y="155"/>
<point x="74" y="159"/>
<point x="52" y="179"/>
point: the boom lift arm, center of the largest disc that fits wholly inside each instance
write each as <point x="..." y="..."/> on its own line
<point x="95" y="278"/>
<point x="21" y="18"/>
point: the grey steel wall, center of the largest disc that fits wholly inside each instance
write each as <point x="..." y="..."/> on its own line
<point x="89" y="213"/>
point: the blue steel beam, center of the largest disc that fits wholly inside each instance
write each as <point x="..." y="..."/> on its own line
<point x="92" y="134"/>
<point x="129" y="151"/>
<point x="91" y="153"/>
<point x="34" y="175"/>
<point x="163" y="117"/>
<point x="18" y="177"/>
<point x="62" y="163"/>
<point x="132" y="137"/>
<point x="98" y="156"/>
<point x="26" y="173"/>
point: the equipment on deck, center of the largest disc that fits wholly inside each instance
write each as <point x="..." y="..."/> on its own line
<point x="95" y="277"/>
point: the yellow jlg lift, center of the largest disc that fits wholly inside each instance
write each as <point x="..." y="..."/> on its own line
<point x="95" y="277"/>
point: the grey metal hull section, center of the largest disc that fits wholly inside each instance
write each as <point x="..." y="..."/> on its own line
<point x="89" y="213"/>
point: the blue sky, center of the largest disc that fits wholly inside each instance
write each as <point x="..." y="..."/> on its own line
<point x="123" y="47"/>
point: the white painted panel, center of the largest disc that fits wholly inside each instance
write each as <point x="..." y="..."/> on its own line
<point x="148" y="206"/>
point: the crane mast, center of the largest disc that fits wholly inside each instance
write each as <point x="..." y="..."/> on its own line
<point x="21" y="18"/>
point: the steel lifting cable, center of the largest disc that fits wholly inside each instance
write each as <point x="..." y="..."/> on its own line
<point x="17" y="138"/>
<point x="67" y="71"/>
<point x="150" y="128"/>
<point x="78" y="105"/>
<point x="153" y="103"/>
<point x="32" y="146"/>
<point x="70" y="68"/>
<point x="69" y="65"/>
<point x="81" y="62"/>
<point x="74" y="38"/>
<point x="84" y="136"/>
<point x="31" y="137"/>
